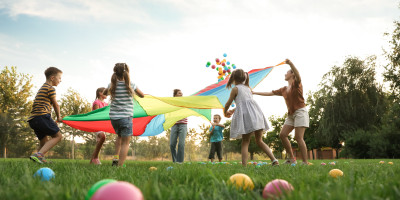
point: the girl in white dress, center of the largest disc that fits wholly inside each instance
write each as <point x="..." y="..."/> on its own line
<point x="248" y="117"/>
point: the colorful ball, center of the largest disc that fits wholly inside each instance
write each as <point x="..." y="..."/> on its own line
<point x="228" y="63"/>
<point x="217" y="60"/>
<point x="97" y="186"/>
<point x="276" y="188"/>
<point x="153" y="168"/>
<point x="323" y="163"/>
<point x="208" y="63"/>
<point x="118" y="190"/>
<point x="241" y="181"/>
<point x="169" y="168"/>
<point x="223" y="64"/>
<point x="293" y="164"/>
<point x="213" y="66"/>
<point x="335" y="173"/>
<point x="234" y="67"/>
<point x="390" y="163"/>
<point x="225" y="55"/>
<point x="45" y="173"/>
<point x="381" y="162"/>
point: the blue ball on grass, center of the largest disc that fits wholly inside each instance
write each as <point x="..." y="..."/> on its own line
<point x="45" y="173"/>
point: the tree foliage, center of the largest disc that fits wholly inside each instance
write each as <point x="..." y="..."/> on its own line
<point x="15" y="106"/>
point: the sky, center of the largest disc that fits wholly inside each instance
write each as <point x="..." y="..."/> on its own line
<point x="167" y="43"/>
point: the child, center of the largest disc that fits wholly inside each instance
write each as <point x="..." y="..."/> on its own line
<point x="216" y="138"/>
<point x="100" y="136"/>
<point x="40" y="120"/>
<point x="179" y="130"/>
<point x="122" y="90"/>
<point x="248" y="116"/>
<point x="298" y="118"/>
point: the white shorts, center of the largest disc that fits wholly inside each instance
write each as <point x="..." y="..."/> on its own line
<point x="299" y="118"/>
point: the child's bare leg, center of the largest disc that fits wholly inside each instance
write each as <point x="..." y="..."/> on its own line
<point x="299" y="137"/>
<point x="124" y="149"/>
<point x="245" y="148"/>
<point x="101" y="137"/>
<point x="286" y="129"/>
<point x="262" y="145"/>
<point x="42" y="142"/>
<point x="50" y="143"/>
<point x="117" y="145"/>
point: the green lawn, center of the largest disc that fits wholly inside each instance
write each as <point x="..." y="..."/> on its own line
<point x="363" y="179"/>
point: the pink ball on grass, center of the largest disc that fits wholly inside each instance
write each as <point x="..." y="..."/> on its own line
<point x="120" y="190"/>
<point x="276" y="188"/>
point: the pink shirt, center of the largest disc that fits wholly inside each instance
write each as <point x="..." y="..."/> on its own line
<point x="99" y="103"/>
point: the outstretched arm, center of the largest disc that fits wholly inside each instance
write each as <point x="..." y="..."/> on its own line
<point x="263" y="93"/>
<point x="139" y="93"/>
<point x="233" y="95"/>
<point x="294" y="69"/>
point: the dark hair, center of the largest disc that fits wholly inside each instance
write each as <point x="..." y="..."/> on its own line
<point x="51" y="71"/>
<point x="219" y="116"/>
<point x="246" y="83"/>
<point x="176" y="91"/>
<point x="238" y="75"/>
<point x="98" y="91"/>
<point x="121" y="71"/>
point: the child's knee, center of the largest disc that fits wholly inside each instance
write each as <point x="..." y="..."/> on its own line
<point x="101" y="136"/>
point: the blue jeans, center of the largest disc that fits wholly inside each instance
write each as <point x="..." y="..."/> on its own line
<point x="178" y="130"/>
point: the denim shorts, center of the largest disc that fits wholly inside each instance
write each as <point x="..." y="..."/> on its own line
<point x="43" y="126"/>
<point x="123" y="126"/>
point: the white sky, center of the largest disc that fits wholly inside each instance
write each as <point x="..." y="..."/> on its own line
<point x="167" y="43"/>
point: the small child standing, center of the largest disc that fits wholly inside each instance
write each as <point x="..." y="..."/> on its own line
<point x="248" y="117"/>
<point x="216" y="138"/>
<point x="100" y="136"/>
<point x="40" y="120"/>
<point x="122" y="90"/>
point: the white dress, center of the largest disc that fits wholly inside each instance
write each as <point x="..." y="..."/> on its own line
<point x="248" y="116"/>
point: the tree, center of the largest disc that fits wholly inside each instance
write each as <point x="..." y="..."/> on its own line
<point x="392" y="70"/>
<point x="348" y="99"/>
<point x="72" y="104"/>
<point x="15" y="90"/>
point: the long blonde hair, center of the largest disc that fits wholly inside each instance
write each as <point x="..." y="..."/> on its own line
<point x="121" y="71"/>
<point x="239" y="76"/>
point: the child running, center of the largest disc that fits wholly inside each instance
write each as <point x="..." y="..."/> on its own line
<point x="100" y="136"/>
<point x="122" y="90"/>
<point x="298" y="118"/>
<point x="216" y="138"/>
<point x="248" y="117"/>
<point x="40" y="120"/>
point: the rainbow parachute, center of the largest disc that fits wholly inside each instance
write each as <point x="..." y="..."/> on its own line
<point x="153" y="115"/>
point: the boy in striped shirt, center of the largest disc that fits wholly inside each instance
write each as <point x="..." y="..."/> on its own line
<point x="40" y="120"/>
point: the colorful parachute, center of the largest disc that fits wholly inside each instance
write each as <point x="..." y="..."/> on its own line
<point x="153" y="115"/>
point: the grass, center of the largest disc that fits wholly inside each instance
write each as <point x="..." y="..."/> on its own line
<point x="363" y="179"/>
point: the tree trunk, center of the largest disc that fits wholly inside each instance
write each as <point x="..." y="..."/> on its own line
<point x="251" y="155"/>
<point x="73" y="146"/>
<point x="4" y="151"/>
<point x="312" y="151"/>
<point x="337" y="153"/>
